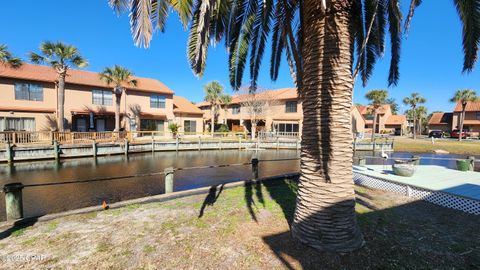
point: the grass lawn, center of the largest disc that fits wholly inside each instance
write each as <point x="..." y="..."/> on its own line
<point x="246" y="227"/>
<point x="425" y="145"/>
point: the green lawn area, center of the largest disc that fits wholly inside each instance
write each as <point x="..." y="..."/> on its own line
<point x="247" y="227"/>
<point x="424" y="145"/>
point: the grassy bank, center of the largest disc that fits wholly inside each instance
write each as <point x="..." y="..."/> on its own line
<point x="425" y="145"/>
<point x="246" y="227"/>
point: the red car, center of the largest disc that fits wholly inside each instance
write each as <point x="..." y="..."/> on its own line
<point x="456" y="133"/>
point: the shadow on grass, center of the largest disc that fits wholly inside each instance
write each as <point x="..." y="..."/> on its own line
<point x="211" y="198"/>
<point x="18" y="226"/>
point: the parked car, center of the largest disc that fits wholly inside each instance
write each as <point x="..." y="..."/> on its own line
<point x="436" y="134"/>
<point x="456" y="133"/>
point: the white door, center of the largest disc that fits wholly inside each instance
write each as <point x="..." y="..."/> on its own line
<point x="100" y="125"/>
<point x="82" y="124"/>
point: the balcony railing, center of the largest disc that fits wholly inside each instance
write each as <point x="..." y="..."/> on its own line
<point x="48" y="137"/>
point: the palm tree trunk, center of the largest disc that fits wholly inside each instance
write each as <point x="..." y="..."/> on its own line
<point x="61" y="102"/>
<point x="118" y="98"/>
<point x="325" y="211"/>
<point x="414" y="124"/>
<point x="212" y="122"/>
<point x="374" y="129"/>
<point x="462" y="118"/>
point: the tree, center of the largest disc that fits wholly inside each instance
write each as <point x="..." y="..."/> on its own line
<point x="225" y="101"/>
<point x="120" y="78"/>
<point x="60" y="57"/>
<point x="256" y="106"/>
<point x="463" y="97"/>
<point x="213" y="91"/>
<point x="413" y="101"/>
<point x="420" y="115"/>
<point x="377" y="99"/>
<point x="321" y="40"/>
<point x="6" y="58"/>
<point x="393" y="105"/>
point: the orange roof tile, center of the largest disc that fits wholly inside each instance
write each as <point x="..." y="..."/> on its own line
<point x="396" y="120"/>
<point x="182" y="105"/>
<point x="278" y="94"/>
<point x="78" y="77"/>
<point x="367" y="109"/>
<point x="472" y="106"/>
<point x="440" y="118"/>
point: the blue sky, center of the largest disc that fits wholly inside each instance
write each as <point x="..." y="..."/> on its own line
<point x="431" y="55"/>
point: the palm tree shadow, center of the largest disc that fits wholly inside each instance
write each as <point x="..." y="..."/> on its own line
<point x="210" y="199"/>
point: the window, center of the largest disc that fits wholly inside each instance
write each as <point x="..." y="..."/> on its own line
<point x="235" y="109"/>
<point x="17" y="124"/>
<point x="152" y="125"/>
<point x="157" y="102"/>
<point x="27" y="91"/>
<point x="102" y="97"/>
<point x="477" y="115"/>
<point x="286" y="127"/>
<point x="291" y="107"/>
<point x="190" y="126"/>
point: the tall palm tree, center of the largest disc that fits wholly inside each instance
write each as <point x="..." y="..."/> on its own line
<point x="321" y="39"/>
<point x="213" y="91"/>
<point x="120" y="78"/>
<point x="420" y="114"/>
<point x="413" y="101"/>
<point x="60" y="57"/>
<point x="377" y="99"/>
<point x="225" y="101"/>
<point x="6" y="58"/>
<point x="463" y="97"/>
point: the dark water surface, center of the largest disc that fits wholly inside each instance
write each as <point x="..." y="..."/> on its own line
<point x="57" y="198"/>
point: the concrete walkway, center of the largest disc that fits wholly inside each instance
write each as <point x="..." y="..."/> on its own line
<point x="436" y="178"/>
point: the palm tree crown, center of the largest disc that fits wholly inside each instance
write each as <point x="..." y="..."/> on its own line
<point x="464" y="96"/>
<point x="7" y="58"/>
<point x="414" y="100"/>
<point x="118" y="76"/>
<point x="245" y="26"/>
<point x="377" y="98"/>
<point x="213" y="91"/>
<point x="59" y="55"/>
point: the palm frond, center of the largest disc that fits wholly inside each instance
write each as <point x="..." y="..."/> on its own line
<point x="411" y="11"/>
<point x="395" y="24"/>
<point x="159" y="13"/>
<point x="469" y="12"/>
<point x="183" y="9"/>
<point x="140" y="22"/>
<point x="119" y="6"/>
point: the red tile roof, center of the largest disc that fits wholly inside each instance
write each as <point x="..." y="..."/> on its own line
<point x="78" y="77"/>
<point x="472" y="106"/>
<point x="440" y="118"/>
<point x="182" y="105"/>
<point x="277" y="94"/>
<point x="367" y="109"/>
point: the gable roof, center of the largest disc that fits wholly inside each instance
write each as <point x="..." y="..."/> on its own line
<point x="440" y="118"/>
<point x="472" y="106"/>
<point x="366" y="109"/>
<point x="278" y="94"/>
<point x="182" y="105"/>
<point x="79" y="77"/>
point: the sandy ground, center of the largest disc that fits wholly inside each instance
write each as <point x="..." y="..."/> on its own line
<point x="244" y="228"/>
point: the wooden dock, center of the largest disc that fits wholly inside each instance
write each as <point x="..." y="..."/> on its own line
<point x="436" y="184"/>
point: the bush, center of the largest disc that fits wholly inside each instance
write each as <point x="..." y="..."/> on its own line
<point x="222" y="128"/>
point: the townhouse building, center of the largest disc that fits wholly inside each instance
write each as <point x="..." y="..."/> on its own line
<point x="29" y="100"/>
<point x="282" y="113"/>
<point x="448" y="121"/>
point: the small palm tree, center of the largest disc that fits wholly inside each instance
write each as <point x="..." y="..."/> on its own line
<point x="60" y="57"/>
<point x="413" y="101"/>
<point x="377" y="99"/>
<point x="174" y="127"/>
<point x="119" y="77"/>
<point x="6" y="58"/>
<point x="463" y="97"/>
<point x="420" y="114"/>
<point x="225" y="101"/>
<point x="213" y="91"/>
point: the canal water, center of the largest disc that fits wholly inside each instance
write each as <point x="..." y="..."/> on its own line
<point x="56" y="198"/>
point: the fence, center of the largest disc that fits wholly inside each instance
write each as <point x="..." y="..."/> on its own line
<point x="48" y="137"/>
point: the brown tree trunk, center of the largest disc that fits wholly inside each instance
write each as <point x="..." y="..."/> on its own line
<point x="462" y="118"/>
<point x="118" y="98"/>
<point x="61" y="102"/>
<point x="325" y="211"/>
<point x="212" y="122"/>
<point x="414" y="123"/>
<point x="374" y="126"/>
